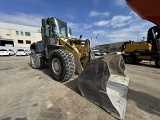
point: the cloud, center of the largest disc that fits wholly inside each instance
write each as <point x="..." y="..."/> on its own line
<point x="79" y="26"/>
<point x="102" y="23"/>
<point x="95" y="14"/>
<point x="81" y="29"/>
<point x="123" y="28"/>
<point x="116" y="21"/>
<point x="132" y="13"/>
<point x="120" y="21"/>
<point x="120" y="3"/>
<point x="124" y="34"/>
<point x="129" y="33"/>
<point x="21" y="18"/>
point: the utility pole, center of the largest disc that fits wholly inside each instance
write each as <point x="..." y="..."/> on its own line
<point x="138" y="37"/>
<point x="97" y="40"/>
<point x="143" y="38"/>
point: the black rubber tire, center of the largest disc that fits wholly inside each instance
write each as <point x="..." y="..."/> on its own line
<point x="66" y="65"/>
<point x="36" y="60"/>
<point x="129" y="59"/>
<point x="157" y="63"/>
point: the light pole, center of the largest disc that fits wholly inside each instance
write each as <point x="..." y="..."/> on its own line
<point x="98" y="41"/>
<point x="138" y="37"/>
<point x="143" y="38"/>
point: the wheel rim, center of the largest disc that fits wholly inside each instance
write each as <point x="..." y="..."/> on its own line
<point x="33" y="59"/>
<point x="56" y="66"/>
<point x="129" y="59"/>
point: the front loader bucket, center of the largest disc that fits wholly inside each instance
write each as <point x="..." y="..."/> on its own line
<point x="104" y="83"/>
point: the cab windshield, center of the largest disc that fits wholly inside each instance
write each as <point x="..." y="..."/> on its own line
<point x="61" y="28"/>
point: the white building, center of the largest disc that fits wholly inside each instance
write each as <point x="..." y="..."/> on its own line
<point x="18" y="35"/>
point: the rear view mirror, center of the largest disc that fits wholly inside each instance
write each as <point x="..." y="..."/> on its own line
<point x="80" y="37"/>
<point x="70" y="31"/>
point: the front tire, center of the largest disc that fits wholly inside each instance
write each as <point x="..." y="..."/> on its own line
<point x="128" y="59"/>
<point x="61" y="65"/>
<point x="36" y="60"/>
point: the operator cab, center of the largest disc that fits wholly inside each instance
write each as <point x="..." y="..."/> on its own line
<point x="52" y="29"/>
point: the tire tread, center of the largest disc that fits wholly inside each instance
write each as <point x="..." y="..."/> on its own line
<point x="69" y="61"/>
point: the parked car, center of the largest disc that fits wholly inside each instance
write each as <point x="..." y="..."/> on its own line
<point x="28" y="52"/>
<point x="7" y="52"/>
<point x="21" y="52"/>
<point x="97" y="53"/>
<point x="102" y="53"/>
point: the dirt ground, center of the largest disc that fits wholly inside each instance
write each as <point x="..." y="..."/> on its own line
<point x="31" y="94"/>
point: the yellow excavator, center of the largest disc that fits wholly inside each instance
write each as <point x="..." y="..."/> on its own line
<point x="101" y="80"/>
<point x="135" y="52"/>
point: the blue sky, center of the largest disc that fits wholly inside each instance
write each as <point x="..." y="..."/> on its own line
<point x="113" y="20"/>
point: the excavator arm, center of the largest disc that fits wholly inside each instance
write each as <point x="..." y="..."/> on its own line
<point x="146" y="9"/>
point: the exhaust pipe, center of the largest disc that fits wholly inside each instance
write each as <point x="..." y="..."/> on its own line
<point x="104" y="83"/>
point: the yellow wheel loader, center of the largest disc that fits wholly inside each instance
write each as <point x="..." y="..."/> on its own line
<point x="63" y="54"/>
<point x="101" y="80"/>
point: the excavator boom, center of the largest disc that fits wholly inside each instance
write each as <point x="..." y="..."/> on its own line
<point x="146" y="9"/>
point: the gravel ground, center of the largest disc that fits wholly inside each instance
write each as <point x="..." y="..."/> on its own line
<point x="30" y="94"/>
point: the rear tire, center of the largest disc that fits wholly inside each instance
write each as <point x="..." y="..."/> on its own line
<point x="157" y="63"/>
<point x="36" y="60"/>
<point x="61" y="65"/>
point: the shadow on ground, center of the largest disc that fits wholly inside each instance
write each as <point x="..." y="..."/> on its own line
<point x="9" y="118"/>
<point x="72" y="83"/>
<point x="45" y="69"/>
<point x="145" y="101"/>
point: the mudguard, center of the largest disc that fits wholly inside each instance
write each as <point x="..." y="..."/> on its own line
<point x="38" y="47"/>
<point x="104" y="83"/>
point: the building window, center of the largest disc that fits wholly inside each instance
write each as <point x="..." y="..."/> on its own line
<point x="27" y="34"/>
<point x="21" y="33"/>
<point x="17" y="32"/>
<point x="28" y="42"/>
<point x="20" y="41"/>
